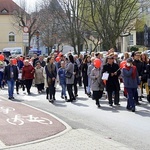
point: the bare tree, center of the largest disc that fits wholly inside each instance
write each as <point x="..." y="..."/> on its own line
<point x="111" y="18"/>
<point x="49" y="25"/>
<point x="23" y="19"/>
<point x="71" y="21"/>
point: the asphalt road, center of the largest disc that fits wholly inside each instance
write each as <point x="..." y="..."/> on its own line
<point x="131" y="129"/>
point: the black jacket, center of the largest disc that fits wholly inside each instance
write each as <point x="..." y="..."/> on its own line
<point x="7" y="72"/>
<point x="148" y="70"/>
<point x="139" y="66"/>
<point x="112" y="82"/>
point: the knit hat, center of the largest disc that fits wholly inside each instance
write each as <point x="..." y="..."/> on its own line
<point x="129" y="60"/>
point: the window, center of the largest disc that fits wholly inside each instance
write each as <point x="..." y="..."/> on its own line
<point x="11" y="37"/>
<point x="4" y="11"/>
<point x="131" y="39"/>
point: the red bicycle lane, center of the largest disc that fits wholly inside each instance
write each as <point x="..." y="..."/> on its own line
<point x="20" y="123"/>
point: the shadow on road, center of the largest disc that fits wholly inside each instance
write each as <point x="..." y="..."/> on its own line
<point x="17" y="100"/>
<point x="143" y="113"/>
<point x="79" y="104"/>
<point x="60" y="103"/>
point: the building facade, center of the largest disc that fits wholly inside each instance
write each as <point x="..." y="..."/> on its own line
<point x="11" y="35"/>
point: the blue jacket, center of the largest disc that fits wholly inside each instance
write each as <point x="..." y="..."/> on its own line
<point x="61" y="74"/>
<point x="128" y="81"/>
<point x="20" y="64"/>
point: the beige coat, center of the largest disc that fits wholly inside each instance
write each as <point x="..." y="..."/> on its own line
<point x="39" y="75"/>
<point x="45" y="78"/>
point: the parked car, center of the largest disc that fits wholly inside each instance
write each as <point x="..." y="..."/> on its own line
<point x="34" y="51"/>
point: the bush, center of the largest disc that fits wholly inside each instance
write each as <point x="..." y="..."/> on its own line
<point x="133" y="49"/>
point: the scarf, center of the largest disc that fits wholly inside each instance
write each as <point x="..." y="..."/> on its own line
<point x="133" y="72"/>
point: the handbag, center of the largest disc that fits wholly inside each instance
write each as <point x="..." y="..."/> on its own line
<point x="68" y="74"/>
<point x="49" y="81"/>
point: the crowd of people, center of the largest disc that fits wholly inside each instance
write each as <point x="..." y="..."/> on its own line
<point x="94" y="72"/>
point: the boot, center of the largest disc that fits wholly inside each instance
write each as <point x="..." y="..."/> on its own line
<point x="47" y="92"/>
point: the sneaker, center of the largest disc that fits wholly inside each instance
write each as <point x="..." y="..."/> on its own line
<point x="62" y="97"/>
<point x="98" y="106"/>
<point x="117" y="104"/>
<point x="50" y="100"/>
<point x="133" y="109"/>
<point x="76" y="95"/>
<point x="23" y="88"/>
<point x="128" y="108"/>
<point x="138" y="103"/>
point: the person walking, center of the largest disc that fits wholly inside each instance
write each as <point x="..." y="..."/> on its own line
<point x="76" y="75"/>
<point x="139" y="65"/>
<point x="148" y="80"/>
<point x="131" y="83"/>
<point x="90" y="67"/>
<point x="85" y="65"/>
<point x="10" y="75"/>
<point x="70" y="81"/>
<point x="144" y="76"/>
<point x="2" y="66"/>
<point x="97" y="85"/>
<point x="51" y="75"/>
<point x="62" y="80"/>
<point x="39" y="78"/>
<point x="112" y="84"/>
<point x="28" y="75"/>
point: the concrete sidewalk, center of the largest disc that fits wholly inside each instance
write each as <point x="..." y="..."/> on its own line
<point x="80" y="139"/>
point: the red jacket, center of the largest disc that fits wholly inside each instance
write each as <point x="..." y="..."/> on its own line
<point x="28" y="72"/>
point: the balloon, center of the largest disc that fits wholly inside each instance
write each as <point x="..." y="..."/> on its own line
<point x="60" y="54"/>
<point x="122" y="64"/>
<point x="97" y="63"/>
<point x="57" y="59"/>
<point x="104" y="81"/>
<point x="2" y="57"/>
<point x="14" y="61"/>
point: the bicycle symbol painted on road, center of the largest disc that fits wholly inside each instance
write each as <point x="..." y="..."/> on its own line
<point x="6" y="110"/>
<point x="20" y="120"/>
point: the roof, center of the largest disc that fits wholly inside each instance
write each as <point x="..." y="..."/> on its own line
<point x="7" y="7"/>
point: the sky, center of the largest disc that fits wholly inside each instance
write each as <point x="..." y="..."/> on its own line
<point x="30" y="4"/>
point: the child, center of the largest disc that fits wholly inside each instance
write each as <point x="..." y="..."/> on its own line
<point x="62" y="79"/>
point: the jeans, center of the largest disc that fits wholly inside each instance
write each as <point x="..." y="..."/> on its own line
<point x="11" y="84"/>
<point x="132" y="96"/>
<point x="63" y="91"/>
<point x="89" y="85"/>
